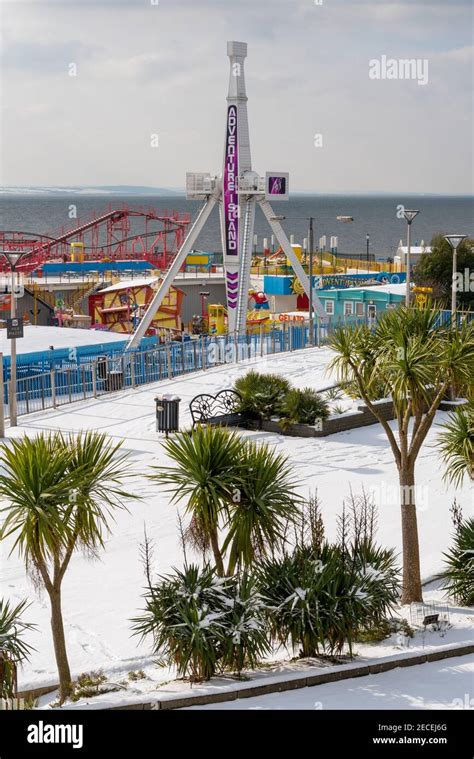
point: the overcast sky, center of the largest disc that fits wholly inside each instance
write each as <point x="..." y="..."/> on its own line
<point x="145" y="68"/>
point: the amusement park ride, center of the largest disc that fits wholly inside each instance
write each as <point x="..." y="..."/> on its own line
<point x="118" y="233"/>
<point x="164" y="240"/>
<point x="237" y="192"/>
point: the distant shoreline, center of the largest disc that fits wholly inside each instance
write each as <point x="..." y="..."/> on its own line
<point x="129" y="191"/>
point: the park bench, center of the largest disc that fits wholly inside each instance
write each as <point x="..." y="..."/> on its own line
<point x="222" y="408"/>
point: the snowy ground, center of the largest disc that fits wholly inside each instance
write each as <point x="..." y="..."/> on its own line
<point x="447" y="684"/>
<point x="100" y="597"/>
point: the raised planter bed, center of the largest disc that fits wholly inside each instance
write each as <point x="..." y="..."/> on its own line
<point x="349" y="420"/>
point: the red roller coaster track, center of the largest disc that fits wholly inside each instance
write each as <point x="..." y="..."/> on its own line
<point x="118" y="233"/>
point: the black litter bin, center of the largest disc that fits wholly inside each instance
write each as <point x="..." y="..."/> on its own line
<point x="102" y="367"/>
<point x="167" y="413"/>
<point x="114" y="381"/>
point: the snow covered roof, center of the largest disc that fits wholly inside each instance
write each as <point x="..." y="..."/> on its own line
<point x="416" y="249"/>
<point x="392" y="289"/>
<point x="41" y="338"/>
<point x="125" y="284"/>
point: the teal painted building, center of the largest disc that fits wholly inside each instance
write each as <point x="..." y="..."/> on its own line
<point x="340" y="303"/>
<point x="361" y="302"/>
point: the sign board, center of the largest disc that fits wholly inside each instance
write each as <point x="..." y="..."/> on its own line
<point x="276" y="185"/>
<point x="15" y="327"/>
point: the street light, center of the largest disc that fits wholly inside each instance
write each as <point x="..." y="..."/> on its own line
<point x="367" y="237"/>
<point x="409" y="216"/>
<point x="310" y="274"/>
<point x="454" y="241"/>
<point x="204" y="296"/>
<point x="13" y="259"/>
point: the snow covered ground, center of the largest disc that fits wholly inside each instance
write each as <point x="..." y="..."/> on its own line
<point x="100" y="597"/>
<point x="447" y="684"/>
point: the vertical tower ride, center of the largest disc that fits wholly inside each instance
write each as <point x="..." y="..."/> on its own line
<point x="237" y="192"/>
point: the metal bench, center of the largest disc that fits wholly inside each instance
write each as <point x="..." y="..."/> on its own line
<point x="222" y="408"/>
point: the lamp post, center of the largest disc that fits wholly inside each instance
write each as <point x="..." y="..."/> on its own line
<point x="204" y="296"/>
<point x="367" y="239"/>
<point x="454" y="241"/>
<point x="322" y="248"/>
<point x="334" y="251"/>
<point x="13" y="259"/>
<point x="310" y="275"/>
<point x="409" y="216"/>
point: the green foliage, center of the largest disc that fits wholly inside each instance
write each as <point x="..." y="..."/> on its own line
<point x="263" y="502"/>
<point x="384" y="629"/>
<point x="246" y="640"/>
<point x="377" y="391"/>
<point x="334" y="393"/>
<point x="201" y="623"/>
<point x="303" y="406"/>
<point x="13" y="649"/>
<point x="62" y="492"/>
<point x="407" y="357"/>
<point x="458" y="576"/>
<point x="206" y="465"/>
<point x="91" y="684"/>
<point x="435" y="270"/>
<point x="457" y="444"/>
<point x="262" y="394"/>
<point x="320" y="595"/>
<point x="231" y="486"/>
<point x="134" y="676"/>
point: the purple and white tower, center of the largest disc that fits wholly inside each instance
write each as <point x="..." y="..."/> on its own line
<point x="237" y="192"/>
<point x="237" y="213"/>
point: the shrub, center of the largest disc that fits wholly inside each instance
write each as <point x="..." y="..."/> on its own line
<point x="246" y="640"/>
<point x="13" y="650"/>
<point x="262" y="394"/>
<point x="201" y="623"/>
<point x="314" y="602"/>
<point x="233" y="489"/>
<point x="458" y="575"/>
<point x="263" y="503"/>
<point x="303" y="406"/>
<point x="321" y="596"/>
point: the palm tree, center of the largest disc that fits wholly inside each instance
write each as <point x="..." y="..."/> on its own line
<point x="62" y="493"/>
<point x="229" y="484"/>
<point x="261" y="509"/>
<point x="205" y="471"/>
<point x="415" y="362"/>
<point x="13" y="650"/>
<point x="457" y="444"/>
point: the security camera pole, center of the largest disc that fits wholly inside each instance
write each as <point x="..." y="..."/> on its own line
<point x="13" y="259"/>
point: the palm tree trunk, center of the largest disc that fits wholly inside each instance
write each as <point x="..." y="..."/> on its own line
<point x="57" y="628"/>
<point x="411" y="583"/>
<point x="217" y="554"/>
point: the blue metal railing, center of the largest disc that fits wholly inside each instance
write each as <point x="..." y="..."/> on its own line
<point x="55" y="378"/>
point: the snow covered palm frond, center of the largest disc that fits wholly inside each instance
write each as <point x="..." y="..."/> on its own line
<point x="202" y="624"/>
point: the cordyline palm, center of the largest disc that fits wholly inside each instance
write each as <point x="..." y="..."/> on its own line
<point x="62" y="493"/>
<point x="415" y="362"/>
<point x="206" y="466"/>
<point x="13" y="650"/>
<point x="260" y="510"/>
<point x="229" y="483"/>
<point x="457" y="445"/>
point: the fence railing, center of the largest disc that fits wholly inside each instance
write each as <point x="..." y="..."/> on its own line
<point x="98" y="375"/>
<point x="74" y="381"/>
